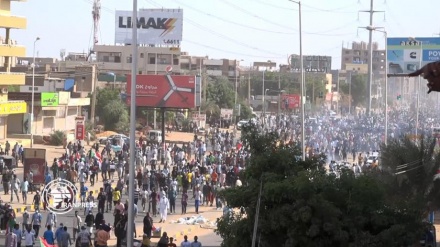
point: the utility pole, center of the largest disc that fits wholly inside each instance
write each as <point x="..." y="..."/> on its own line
<point x="371" y="11"/>
<point x="349" y="93"/>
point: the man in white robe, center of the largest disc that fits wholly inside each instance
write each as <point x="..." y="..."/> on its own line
<point x="164" y="205"/>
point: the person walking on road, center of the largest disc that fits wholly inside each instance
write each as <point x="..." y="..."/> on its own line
<point x="185" y="242"/>
<point x="15" y="184"/>
<point x="164" y="205"/>
<point x="76" y="224"/>
<point x="196" y="243"/>
<point x="148" y="225"/>
<point x="51" y="219"/>
<point x="36" y="221"/>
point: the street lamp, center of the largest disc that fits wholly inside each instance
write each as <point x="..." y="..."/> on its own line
<point x="235" y="96"/>
<point x="303" y="144"/>
<point x="420" y="43"/>
<point x="33" y="93"/>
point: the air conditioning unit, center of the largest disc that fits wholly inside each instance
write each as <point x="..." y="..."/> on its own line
<point x="4" y="90"/>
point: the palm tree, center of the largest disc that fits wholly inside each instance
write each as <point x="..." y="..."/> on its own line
<point x="413" y="166"/>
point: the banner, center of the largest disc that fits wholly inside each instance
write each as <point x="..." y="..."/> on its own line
<point x="35" y="162"/>
<point x="155" y="26"/>
<point x="80" y="128"/>
<point x="226" y="113"/>
<point x="404" y="55"/>
<point x="49" y="99"/>
<point x="164" y="91"/>
<point x="290" y="101"/>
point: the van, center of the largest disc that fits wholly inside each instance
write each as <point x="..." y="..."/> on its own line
<point x="154" y="137"/>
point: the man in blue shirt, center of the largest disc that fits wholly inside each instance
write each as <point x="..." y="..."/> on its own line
<point x="59" y="231"/>
<point x="47" y="178"/>
<point x="48" y="235"/>
<point x="19" y="233"/>
<point x="83" y="193"/>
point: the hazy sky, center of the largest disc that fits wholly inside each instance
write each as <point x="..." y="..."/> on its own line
<point x="252" y="30"/>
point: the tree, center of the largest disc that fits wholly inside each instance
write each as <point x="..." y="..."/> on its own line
<point x="115" y="116"/>
<point x="221" y="92"/>
<point x="358" y="89"/>
<point x="303" y="206"/>
<point x="412" y="166"/>
<point x="103" y="97"/>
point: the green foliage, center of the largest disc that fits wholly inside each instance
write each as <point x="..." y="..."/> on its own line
<point x="303" y="206"/>
<point x="103" y="98"/>
<point x="358" y="89"/>
<point x="245" y="111"/>
<point x="115" y="116"/>
<point x="220" y="92"/>
<point x="415" y="165"/>
<point x="57" y="137"/>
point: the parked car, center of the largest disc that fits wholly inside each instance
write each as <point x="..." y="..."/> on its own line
<point x="114" y="139"/>
<point x="241" y="123"/>
<point x="154" y="137"/>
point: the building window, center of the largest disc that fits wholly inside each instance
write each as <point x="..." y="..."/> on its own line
<point x="151" y="58"/>
<point x="117" y="59"/>
<point x="129" y="59"/>
<point x="105" y="59"/>
<point x="175" y="59"/>
<point x="164" y="59"/>
<point x="347" y="52"/>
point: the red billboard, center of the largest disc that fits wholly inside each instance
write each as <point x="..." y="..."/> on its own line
<point x="164" y="91"/>
<point x="290" y="101"/>
<point x="35" y="162"/>
<point x="80" y="128"/>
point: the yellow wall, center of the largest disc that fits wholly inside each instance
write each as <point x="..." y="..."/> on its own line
<point x="16" y="22"/>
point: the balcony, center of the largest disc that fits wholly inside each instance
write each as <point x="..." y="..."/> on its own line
<point x="12" y="51"/>
<point x="12" y="78"/>
<point x="14" y="22"/>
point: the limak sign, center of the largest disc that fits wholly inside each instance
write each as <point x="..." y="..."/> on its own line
<point x="155" y="26"/>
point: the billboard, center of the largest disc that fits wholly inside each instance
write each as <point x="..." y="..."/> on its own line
<point x="290" y="101"/>
<point x="155" y="26"/>
<point x="404" y="54"/>
<point x="226" y="113"/>
<point x="164" y="91"/>
<point x="80" y="128"/>
<point x="35" y="162"/>
<point x="49" y="99"/>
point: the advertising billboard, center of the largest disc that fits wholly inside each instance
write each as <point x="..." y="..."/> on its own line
<point x="404" y="54"/>
<point x="49" y="99"/>
<point x="80" y="128"/>
<point x="155" y="26"/>
<point x="290" y="101"/>
<point x="35" y="162"/>
<point x="164" y="91"/>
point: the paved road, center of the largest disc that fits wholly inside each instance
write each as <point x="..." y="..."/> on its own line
<point x="173" y="229"/>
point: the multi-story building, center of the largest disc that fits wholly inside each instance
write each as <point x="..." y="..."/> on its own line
<point x="9" y="51"/>
<point x="213" y="67"/>
<point x="322" y="64"/>
<point x="117" y="59"/>
<point x="356" y="57"/>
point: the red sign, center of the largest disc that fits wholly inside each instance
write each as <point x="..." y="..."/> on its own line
<point x="80" y="128"/>
<point x="164" y="91"/>
<point x="291" y="101"/>
<point x="35" y="162"/>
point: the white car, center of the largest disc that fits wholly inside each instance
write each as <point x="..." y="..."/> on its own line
<point x="241" y="123"/>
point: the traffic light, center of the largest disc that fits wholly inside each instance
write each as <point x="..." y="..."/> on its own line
<point x="399" y="97"/>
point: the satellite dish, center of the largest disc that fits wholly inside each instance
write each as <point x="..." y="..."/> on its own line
<point x="169" y="68"/>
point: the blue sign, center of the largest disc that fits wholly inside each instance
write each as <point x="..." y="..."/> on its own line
<point x="406" y="55"/>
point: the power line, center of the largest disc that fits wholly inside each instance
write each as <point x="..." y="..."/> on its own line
<point x="226" y="51"/>
<point x="233" y="22"/>
<point x="314" y="9"/>
<point x="227" y="38"/>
